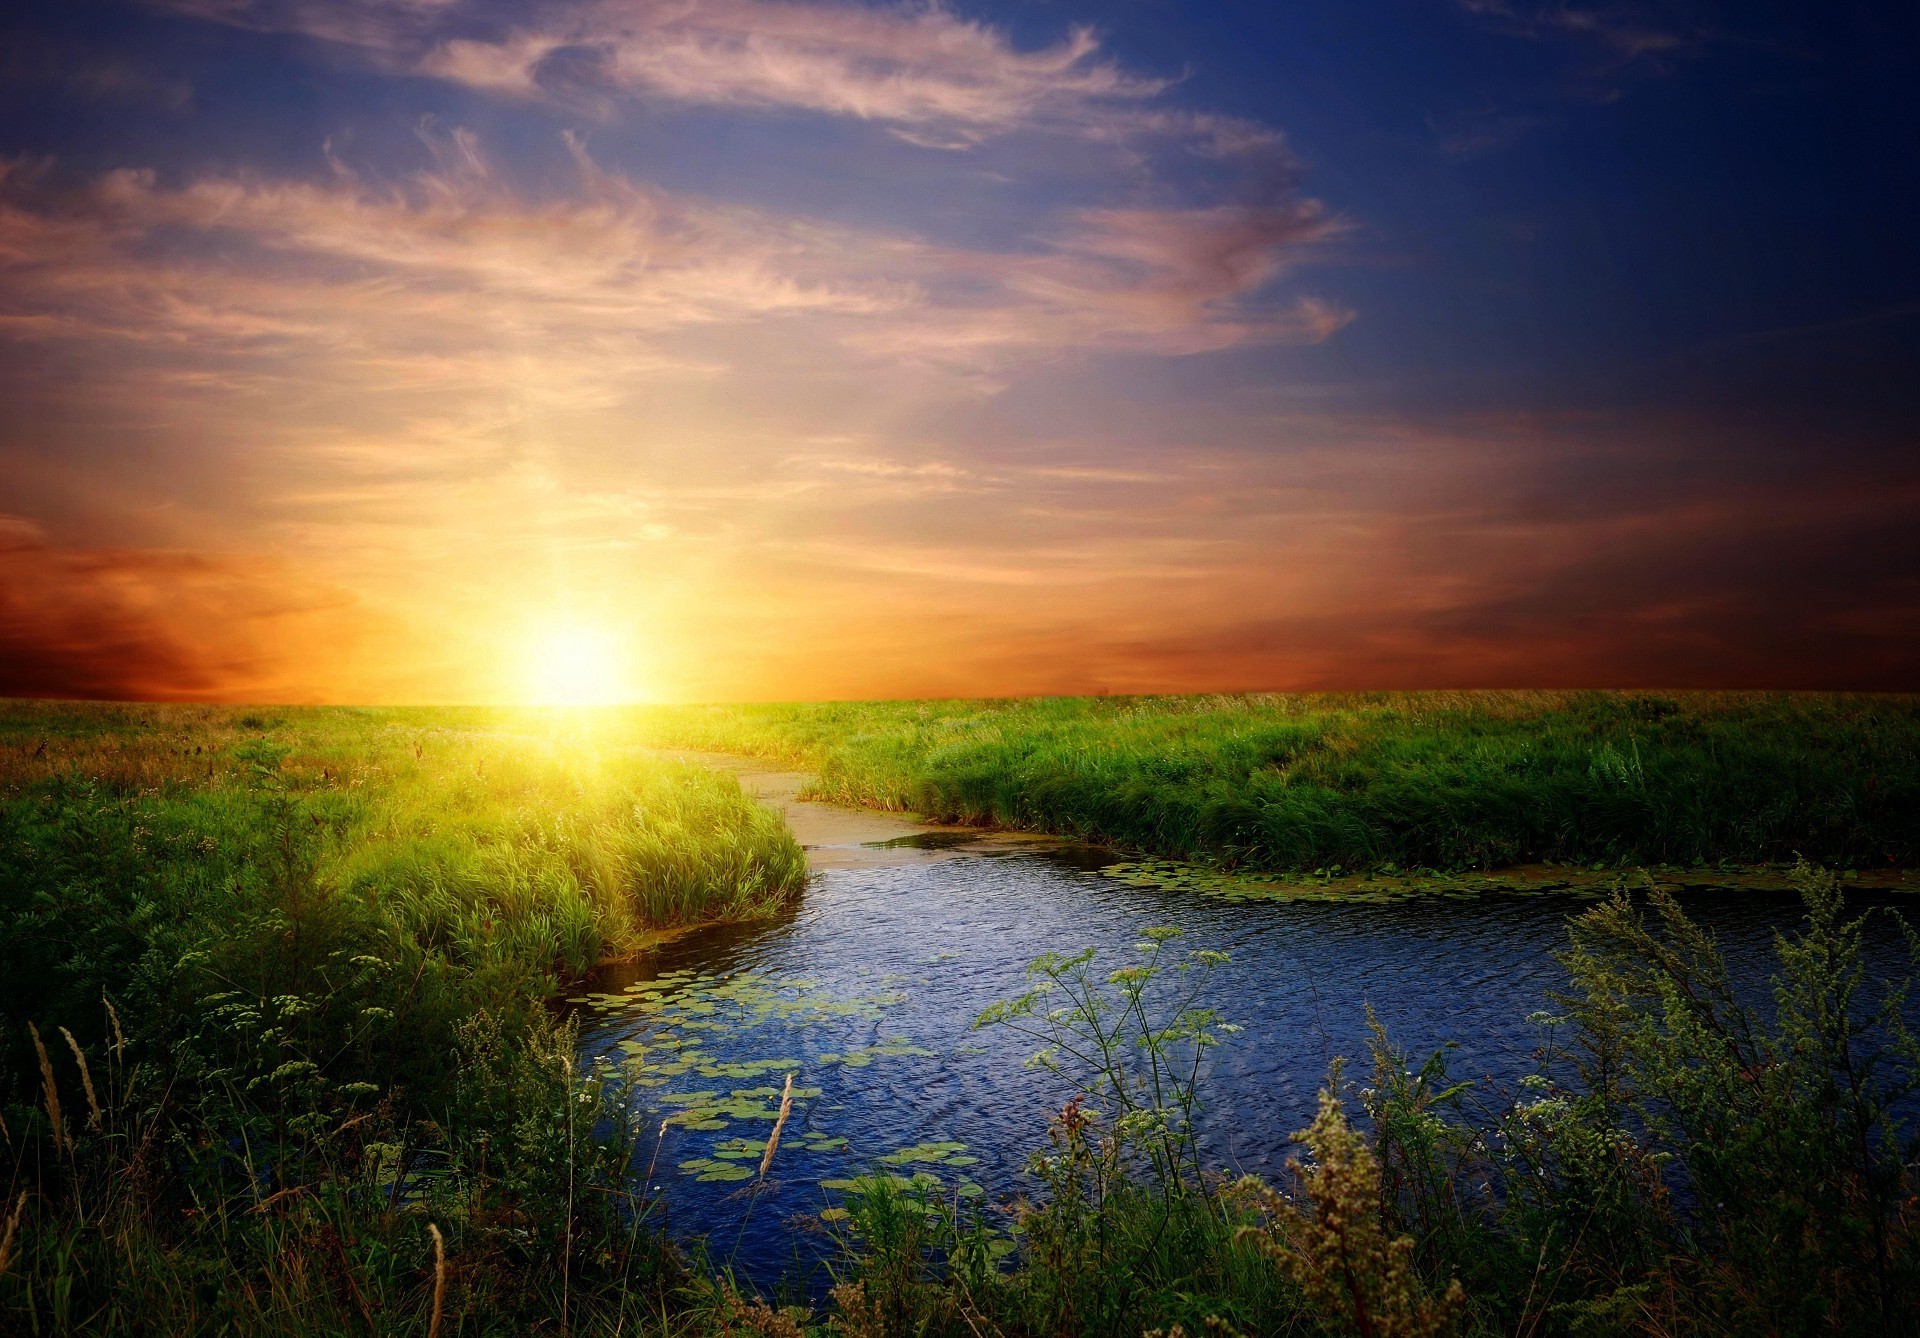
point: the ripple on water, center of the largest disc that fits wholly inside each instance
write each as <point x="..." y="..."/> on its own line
<point x="867" y="995"/>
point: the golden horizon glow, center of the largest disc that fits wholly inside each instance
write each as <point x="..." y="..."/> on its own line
<point x="576" y="664"/>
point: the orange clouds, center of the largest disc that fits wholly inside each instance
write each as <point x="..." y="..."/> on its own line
<point x="158" y="624"/>
<point x="1031" y="409"/>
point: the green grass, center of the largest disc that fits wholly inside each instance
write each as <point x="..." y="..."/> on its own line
<point x="279" y="1058"/>
<point x="1377" y="781"/>
<point x="304" y="960"/>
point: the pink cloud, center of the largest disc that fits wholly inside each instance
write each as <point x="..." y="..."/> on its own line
<point x="426" y="271"/>
<point x="928" y="74"/>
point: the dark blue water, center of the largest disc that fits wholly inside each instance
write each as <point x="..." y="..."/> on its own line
<point x="868" y="995"/>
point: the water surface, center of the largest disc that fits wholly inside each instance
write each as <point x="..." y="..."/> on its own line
<point x="868" y="991"/>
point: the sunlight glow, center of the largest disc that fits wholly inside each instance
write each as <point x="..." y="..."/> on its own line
<point x="575" y="665"/>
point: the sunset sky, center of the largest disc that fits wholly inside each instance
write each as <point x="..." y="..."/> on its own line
<point x="368" y="350"/>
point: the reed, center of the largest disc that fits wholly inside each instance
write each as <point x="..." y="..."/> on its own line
<point x="50" y="1091"/>
<point x="10" y="1231"/>
<point x="779" y="1123"/>
<point x="86" y="1079"/>
<point x="439" y="1279"/>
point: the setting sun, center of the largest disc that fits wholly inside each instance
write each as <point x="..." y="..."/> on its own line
<point x="572" y="665"/>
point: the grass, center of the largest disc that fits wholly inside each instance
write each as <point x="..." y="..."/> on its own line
<point x="275" y="990"/>
<point x="1384" y="781"/>
<point x="278" y="1053"/>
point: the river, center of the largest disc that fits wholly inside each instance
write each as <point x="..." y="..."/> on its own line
<point x="867" y="993"/>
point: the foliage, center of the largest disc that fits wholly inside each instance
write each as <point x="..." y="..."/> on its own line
<point x="278" y="1056"/>
<point x="1342" y="1253"/>
<point x="1134" y="1040"/>
<point x="299" y="968"/>
<point x="1688" y="1160"/>
<point x="1127" y="1229"/>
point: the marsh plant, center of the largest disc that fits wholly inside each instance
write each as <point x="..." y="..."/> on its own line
<point x="1133" y="1043"/>
<point x="278" y="1053"/>
<point x="1126" y="1221"/>
<point x="1689" y="1158"/>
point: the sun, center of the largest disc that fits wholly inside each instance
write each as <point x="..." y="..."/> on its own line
<point x="575" y="665"/>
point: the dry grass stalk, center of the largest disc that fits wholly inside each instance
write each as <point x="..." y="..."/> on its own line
<point x="773" y="1139"/>
<point x="119" y="1036"/>
<point x="12" y="1227"/>
<point x="439" y="1279"/>
<point x="646" y="1181"/>
<point x="857" y="1315"/>
<point x="86" y="1079"/>
<point x="52" y="1092"/>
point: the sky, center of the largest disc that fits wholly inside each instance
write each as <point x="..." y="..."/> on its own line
<point x="440" y="350"/>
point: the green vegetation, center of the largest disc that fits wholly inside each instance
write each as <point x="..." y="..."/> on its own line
<point x="1681" y="1164"/>
<point x="1381" y="781"/>
<point x="278" y="1052"/>
<point x="275" y="998"/>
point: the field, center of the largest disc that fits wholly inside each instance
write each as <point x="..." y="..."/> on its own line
<point x="1446" y="781"/>
<point x="280" y="1056"/>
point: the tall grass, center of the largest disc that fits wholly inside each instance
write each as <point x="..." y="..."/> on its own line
<point x="1373" y="781"/>
<point x="298" y="966"/>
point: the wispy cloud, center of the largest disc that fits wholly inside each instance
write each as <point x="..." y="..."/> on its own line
<point x="1589" y="53"/>
<point x="405" y="278"/>
<point x="30" y="60"/>
<point x="1624" y="32"/>
<point x="923" y="71"/>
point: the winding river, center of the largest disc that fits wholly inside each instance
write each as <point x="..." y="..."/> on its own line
<point x="867" y="993"/>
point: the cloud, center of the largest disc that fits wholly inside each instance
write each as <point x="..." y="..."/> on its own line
<point x="1427" y="561"/>
<point x="1622" y="31"/>
<point x="28" y="58"/>
<point x="431" y="278"/>
<point x="925" y="73"/>
<point x="1587" y="54"/>
<point x="132" y="623"/>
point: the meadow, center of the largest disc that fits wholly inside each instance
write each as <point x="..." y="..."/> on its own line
<point x="1384" y="781"/>
<point x="281" y="1055"/>
<point x="276" y="988"/>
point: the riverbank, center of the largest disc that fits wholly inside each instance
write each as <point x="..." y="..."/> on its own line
<point x="1386" y="784"/>
<point x="276" y="989"/>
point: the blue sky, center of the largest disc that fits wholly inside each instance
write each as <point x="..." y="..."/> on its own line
<point x="848" y="349"/>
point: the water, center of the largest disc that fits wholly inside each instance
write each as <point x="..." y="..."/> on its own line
<point x="868" y="992"/>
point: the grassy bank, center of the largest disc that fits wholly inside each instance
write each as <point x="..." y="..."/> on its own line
<point x="1377" y="781"/>
<point x="274" y="992"/>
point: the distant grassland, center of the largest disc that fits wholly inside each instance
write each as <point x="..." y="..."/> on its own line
<point x="1384" y="781"/>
